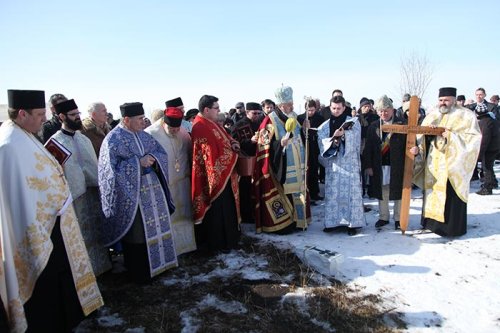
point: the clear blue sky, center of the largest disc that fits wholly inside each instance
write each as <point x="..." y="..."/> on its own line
<point x="150" y="51"/>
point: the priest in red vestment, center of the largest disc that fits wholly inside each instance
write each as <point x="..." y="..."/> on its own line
<point x="214" y="181"/>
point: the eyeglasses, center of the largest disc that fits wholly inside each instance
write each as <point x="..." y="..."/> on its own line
<point x="215" y="108"/>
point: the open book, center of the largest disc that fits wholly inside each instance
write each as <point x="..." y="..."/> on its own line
<point x="60" y="152"/>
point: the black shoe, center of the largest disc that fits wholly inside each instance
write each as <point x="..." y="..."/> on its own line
<point x="381" y="223"/>
<point x="317" y="198"/>
<point x="396" y="225"/>
<point x="328" y="229"/>
<point x="484" y="191"/>
<point x="352" y="231"/>
<point x="367" y="209"/>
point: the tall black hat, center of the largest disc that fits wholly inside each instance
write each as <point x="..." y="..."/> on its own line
<point x="26" y="99"/>
<point x="131" y="109"/>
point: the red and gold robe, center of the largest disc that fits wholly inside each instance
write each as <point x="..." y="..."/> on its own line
<point x="213" y="166"/>
<point x="279" y="205"/>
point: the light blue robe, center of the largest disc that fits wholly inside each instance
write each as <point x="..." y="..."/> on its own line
<point x="343" y="191"/>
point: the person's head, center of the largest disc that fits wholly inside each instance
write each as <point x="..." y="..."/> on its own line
<point x="27" y="109"/>
<point x="494" y="99"/>
<point x="446" y="99"/>
<point x="172" y="119"/>
<point x="56" y="99"/>
<point x="209" y="107"/>
<point x="133" y="116"/>
<point x="337" y="92"/>
<point x="406" y="97"/>
<point x="460" y="100"/>
<point x="268" y="106"/>
<point x="311" y="107"/>
<point x="284" y="98"/>
<point x="384" y="108"/>
<point x="98" y="113"/>
<point x="240" y="107"/>
<point x="176" y="102"/>
<point x="337" y="105"/>
<point x="480" y="95"/>
<point x="110" y="118"/>
<point x="157" y="114"/>
<point x="253" y="111"/>
<point x="364" y="105"/>
<point x="190" y="115"/>
<point x="68" y="113"/>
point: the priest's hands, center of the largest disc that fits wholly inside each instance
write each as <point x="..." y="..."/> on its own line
<point x="147" y="161"/>
<point x="284" y="142"/>
<point x="235" y="146"/>
<point x="339" y="132"/>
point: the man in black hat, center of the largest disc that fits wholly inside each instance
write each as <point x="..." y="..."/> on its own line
<point x="135" y="198"/>
<point x="460" y="100"/>
<point x="40" y="234"/>
<point x="245" y="132"/>
<point x="54" y="124"/>
<point x="444" y="165"/>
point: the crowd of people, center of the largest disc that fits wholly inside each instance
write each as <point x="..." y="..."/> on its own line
<point x="73" y="188"/>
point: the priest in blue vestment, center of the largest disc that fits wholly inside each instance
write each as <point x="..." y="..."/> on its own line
<point x="136" y="201"/>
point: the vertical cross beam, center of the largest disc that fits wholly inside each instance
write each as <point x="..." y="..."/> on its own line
<point x="411" y="130"/>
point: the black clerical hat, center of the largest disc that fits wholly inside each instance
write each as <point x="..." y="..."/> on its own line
<point x="253" y="106"/>
<point x="131" y="109"/>
<point x="191" y="113"/>
<point x="26" y="99"/>
<point x="448" y="91"/>
<point x="65" y="106"/>
<point x="176" y="102"/>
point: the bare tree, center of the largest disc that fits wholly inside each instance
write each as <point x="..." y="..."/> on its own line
<point x="415" y="74"/>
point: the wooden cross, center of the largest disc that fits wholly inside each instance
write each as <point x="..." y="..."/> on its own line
<point x="411" y="130"/>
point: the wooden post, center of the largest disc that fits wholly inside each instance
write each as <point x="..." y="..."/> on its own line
<point x="411" y="130"/>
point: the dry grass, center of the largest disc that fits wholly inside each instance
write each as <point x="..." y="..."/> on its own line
<point x="316" y="304"/>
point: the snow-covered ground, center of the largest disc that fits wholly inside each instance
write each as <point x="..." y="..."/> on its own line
<point x="439" y="284"/>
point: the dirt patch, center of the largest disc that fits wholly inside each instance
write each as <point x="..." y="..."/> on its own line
<point x="258" y="288"/>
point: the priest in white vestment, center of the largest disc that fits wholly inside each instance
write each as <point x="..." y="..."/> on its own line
<point x="46" y="279"/>
<point x="81" y="172"/>
<point x="177" y="143"/>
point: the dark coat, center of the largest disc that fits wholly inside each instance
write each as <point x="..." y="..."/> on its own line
<point x="50" y="127"/>
<point x="490" y="141"/>
<point x="243" y="131"/>
<point x="372" y="158"/>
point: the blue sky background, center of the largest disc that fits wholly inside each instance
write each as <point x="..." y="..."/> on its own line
<point x="150" y="51"/>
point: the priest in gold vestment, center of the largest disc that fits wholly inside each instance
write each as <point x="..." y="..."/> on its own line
<point x="46" y="279"/>
<point x="444" y="165"/>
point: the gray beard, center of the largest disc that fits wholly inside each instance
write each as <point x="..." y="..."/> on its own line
<point x="444" y="109"/>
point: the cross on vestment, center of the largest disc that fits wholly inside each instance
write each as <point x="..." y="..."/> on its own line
<point x="411" y="130"/>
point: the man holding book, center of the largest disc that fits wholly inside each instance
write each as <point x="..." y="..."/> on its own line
<point x="340" y="144"/>
<point x="80" y="170"/>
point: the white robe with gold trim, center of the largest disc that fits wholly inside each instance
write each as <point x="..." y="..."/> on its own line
<point x="33" y="193"/>
<point x="453" y="159"/>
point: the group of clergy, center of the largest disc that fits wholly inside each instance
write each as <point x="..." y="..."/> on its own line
<point x="175" y="186"/>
